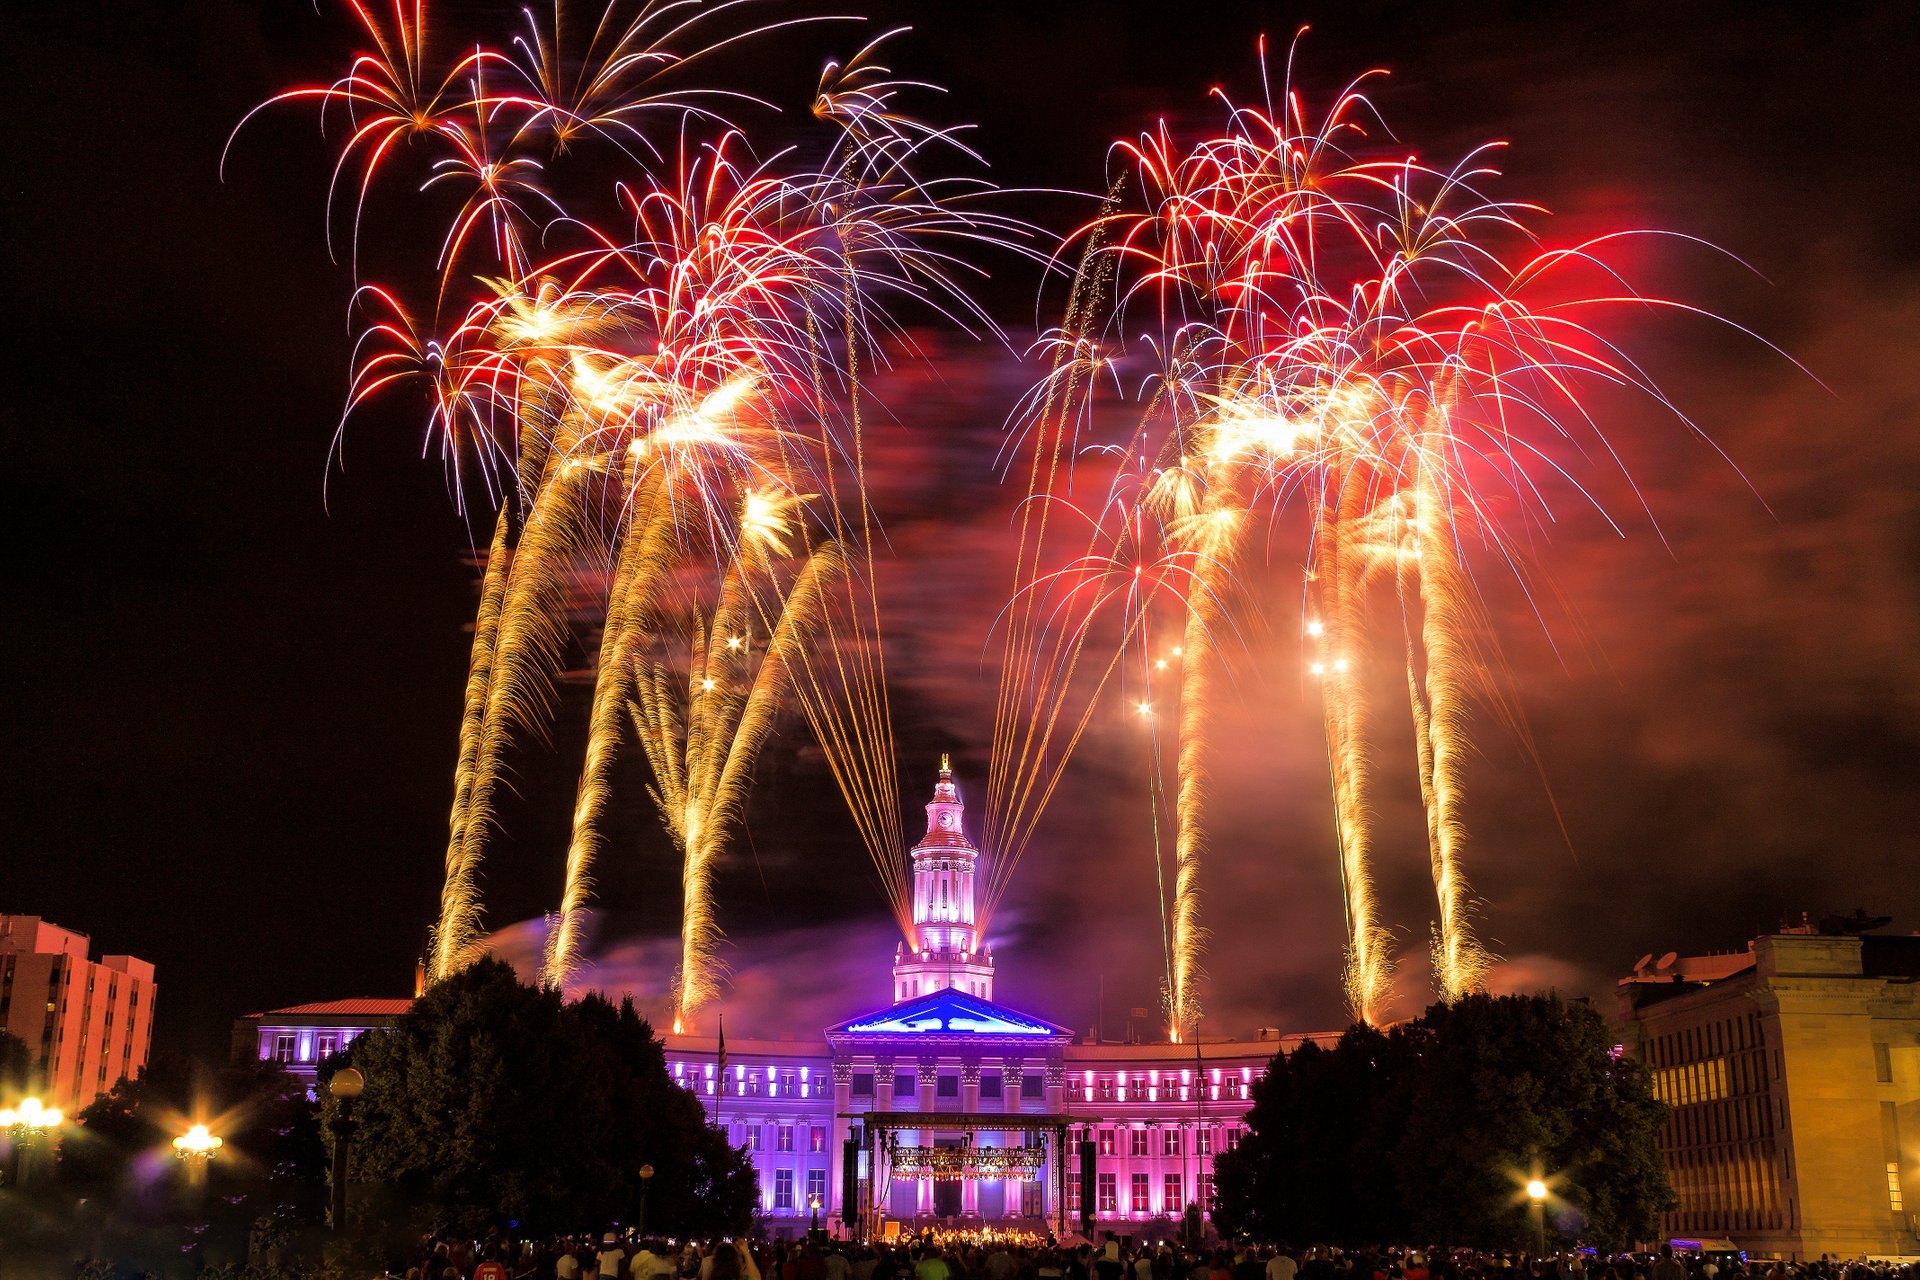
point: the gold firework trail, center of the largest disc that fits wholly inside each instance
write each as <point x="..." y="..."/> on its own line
<point x="1460" y="962"/>
<point x="643" y="557"/>
<point x="458" y="908"/>
<point x="1341" y="621"/>
<point x="528" y="639"/>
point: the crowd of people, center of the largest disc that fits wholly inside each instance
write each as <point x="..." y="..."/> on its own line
<point x="957" y="1255"/>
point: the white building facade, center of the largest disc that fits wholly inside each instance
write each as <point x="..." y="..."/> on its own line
<point x="948" y="1108"/>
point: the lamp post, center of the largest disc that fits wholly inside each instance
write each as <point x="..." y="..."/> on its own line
<point x="1537" y="1215"/>
<point x="196" y="1148"/>
<point x="346" y="1085"/>
<point x="646" y="1181"/>
<point x="813" y="1227"/>
<point x="25" y="1123"/>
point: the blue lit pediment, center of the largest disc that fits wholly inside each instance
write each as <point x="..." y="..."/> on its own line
<point x="948" y="1013"/>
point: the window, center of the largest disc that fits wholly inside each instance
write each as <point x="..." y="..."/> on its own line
<point x="1076" y="1090"/>
<point x="1033" y="1086"/>
<point x="817" y="1138"/>
<point x="1232" y="1136"/>
<point x="784" y="1140"/>
<point x="1170" y="1197"/>
<point x="903" y="1085"/>
<point x="1203" y="1141"/>
<point x="283" y="1046"/>
<point x="1109" y="1201"/>
<point x="1106" y="1088"/>
<point x="990" y="1086"/>
<point x="1140" y="1200"/>
<point x="783" y="1189"/>
<point x="786" y="1084"/>
<point x="1894" y="1199"/>
<point x="1203" y="1193"/>
<point x="326" y="1044"/>
<point x="863" y="1084"/>
<point x="1030" y="1202"/>
<point x="1138" y="1144"/>
<point x="753" y="1137"/>
<point x="1169" y="1142"/>
<point x="947" y="1087"/>
<point x="816" y="1189"/>
<point x="1106" y="1142"/>
<point x="1073" y="1194"/>
<point x="1882" y="1064"/>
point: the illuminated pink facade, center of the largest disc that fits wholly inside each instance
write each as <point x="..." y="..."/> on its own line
<point x="301" y="1036"/>
<point x="982" y="1073"/>
<point x="88" y="1023"/>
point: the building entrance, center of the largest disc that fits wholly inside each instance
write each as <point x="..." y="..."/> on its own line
<point x="946" y="1195"/>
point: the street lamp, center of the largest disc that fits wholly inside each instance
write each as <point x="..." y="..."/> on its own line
<point x="1537" y="1213"/>
<point x="813" y="1227"/>
<point x="197" y="1147"/>
<point x="646" y="1181"/>
<point x="25" y="1123"/>
<point x="346" y="1085"/>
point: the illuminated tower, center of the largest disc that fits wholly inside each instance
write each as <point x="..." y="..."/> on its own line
<point x="948" y="952"/>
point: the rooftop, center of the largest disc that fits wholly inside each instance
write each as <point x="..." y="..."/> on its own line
<point x="341" y="1009"/>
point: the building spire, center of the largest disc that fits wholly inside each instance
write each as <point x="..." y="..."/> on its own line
<point x="946" y="950"/>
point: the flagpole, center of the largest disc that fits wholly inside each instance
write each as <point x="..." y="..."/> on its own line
<point x="720" y="1070"/>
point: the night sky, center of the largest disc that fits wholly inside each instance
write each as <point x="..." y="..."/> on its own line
<point x="233" y="675"/>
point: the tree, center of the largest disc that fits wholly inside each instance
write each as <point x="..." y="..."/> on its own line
<point x="16" y="1065"/>
<point x="1429" y="1132"/>
<point x="497" y="1100"/>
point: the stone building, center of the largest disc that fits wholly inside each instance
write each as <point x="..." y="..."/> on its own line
<point x="1793" y="1068"/>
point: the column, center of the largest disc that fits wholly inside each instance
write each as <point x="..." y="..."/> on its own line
<point x="1011" y="1069"/>
<point x="970" y="1103"/>
<point x="1056" y="1105"/>
<point x="837" y="1129"/>
<point x="929" y="1075"/>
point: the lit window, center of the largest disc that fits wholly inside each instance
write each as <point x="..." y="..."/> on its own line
<point x="1109" y="1193"/>
<point x="1203" y="1194"/>
<point x="816" y="1188"/>
<point x="784" y="1140"/>
<point x="1140" y="1201"/>
<point x="1106" y="1142"/>
<point x="1170" y="1142"/>
<point x="1203" y="1142"/>
<point x="783" y="1189"/>
<point x="1138" y="1145"/>
<point x="1170" y="1198"/>
<point x="817" y="1139"/>
<point x="1894" y="1198"/>
<point x="283" y="1047"/>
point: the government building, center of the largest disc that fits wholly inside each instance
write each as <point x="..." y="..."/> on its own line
<point x="1793" y="1071"/>
<point x="944" y="1107"/>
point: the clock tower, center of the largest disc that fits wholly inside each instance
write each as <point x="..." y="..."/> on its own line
<point x="947" y="951"/>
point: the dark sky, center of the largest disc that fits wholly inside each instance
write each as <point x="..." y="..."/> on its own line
<point x="232" y="680"/>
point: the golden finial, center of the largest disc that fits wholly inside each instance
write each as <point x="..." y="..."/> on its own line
<point x="946" y="765"/>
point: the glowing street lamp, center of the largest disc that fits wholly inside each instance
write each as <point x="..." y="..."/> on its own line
<point x="346" y="1085"/>
<point x="196" y="1147"/>
<point x="1537" y="1213"/>
<point x="24" y="1123"/>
